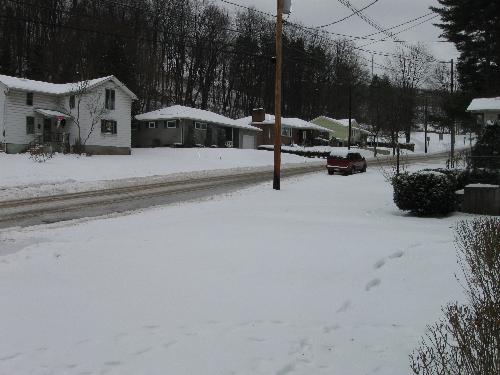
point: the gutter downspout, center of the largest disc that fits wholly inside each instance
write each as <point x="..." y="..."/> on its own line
<point x="4" y="135"/>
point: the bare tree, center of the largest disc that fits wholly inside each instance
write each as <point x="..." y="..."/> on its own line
<point x="410" y="70"/>
<point x="85" y="98"/>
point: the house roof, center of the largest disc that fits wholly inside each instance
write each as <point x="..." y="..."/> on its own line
<point x="294" y="123"/>
<point x="484" y="105"/>
<point x="342" y="122"/>
<point x="180" y="112"/>
<point x="23" y="84"/>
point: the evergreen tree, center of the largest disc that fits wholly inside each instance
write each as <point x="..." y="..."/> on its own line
<point x="474" y="27"/>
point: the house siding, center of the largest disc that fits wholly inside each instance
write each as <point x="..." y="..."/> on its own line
<point x="121" y="114"/>
<point x="16" y="112"/>
<point x="187" y="135"/>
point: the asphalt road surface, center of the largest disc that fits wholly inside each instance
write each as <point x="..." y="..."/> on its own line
<point x="63" y="207"/>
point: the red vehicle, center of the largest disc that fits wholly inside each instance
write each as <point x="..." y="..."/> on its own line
<point x="348" y="163"/>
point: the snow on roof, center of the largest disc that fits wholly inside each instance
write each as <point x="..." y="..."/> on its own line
<point x="24" y="84"/>
<point x="51" y="113"/>
<point x="295" y="123"/>
<point x="484" y="104"/>
<point x="181" y="112"/>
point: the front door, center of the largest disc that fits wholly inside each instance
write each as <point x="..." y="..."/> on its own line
<point x="47" y="130"/>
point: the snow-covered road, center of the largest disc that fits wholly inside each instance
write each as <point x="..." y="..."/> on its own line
<point x="324" y="277"/>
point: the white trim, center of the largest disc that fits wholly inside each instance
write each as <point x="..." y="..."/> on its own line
<point x="167" y="124"/>
<point x="153" y="123"/>
<point x="200" y="125"/>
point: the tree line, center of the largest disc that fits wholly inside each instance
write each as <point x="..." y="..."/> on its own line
<point x="199" y="54"/>
<point x="188" y="52"/>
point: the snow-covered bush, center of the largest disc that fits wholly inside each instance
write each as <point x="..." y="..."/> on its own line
<point x="424" y="193"/>
<point x="464" y="177"/>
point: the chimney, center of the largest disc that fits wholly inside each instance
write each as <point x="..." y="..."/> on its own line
<point x="258" y="115"/>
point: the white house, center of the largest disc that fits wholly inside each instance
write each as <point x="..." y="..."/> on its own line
<point x="487" y="110"/>
<point x="96" y="111"/>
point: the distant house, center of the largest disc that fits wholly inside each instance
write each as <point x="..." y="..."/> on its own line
<point x="486" y="110"/>
<point x="191" y="127"/>
<point x="339" y="129"/>
<point x="47" y="113"/>
<point x="293" y="130"/>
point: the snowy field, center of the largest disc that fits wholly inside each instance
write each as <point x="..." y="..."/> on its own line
<point x="324" y="277"/>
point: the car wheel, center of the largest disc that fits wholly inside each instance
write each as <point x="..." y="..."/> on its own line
<point x="353" y="170"/>
<point x="331" y="172"/>
<point x="364" y="169"/>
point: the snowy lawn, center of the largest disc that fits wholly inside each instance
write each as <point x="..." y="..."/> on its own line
<point x="21" y="177"/>
<point x="324" y="277"/>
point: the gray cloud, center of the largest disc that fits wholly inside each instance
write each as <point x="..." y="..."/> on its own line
<point x="386" y="13"/>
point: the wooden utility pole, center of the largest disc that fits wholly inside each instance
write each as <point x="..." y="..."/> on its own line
<point x="425" y="122"/>
<point x="452" y="89"/>
<point x="349" y="139"/>
<point x="277" y="97"/>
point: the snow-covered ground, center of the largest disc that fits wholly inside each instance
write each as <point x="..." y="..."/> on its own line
<point x="324" y="277"/>
<point x="20" y="177"/>
<point x="436" y="145"/>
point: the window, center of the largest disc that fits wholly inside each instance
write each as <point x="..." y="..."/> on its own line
<point x="200" y="126"/>
<point x="152" y="125"/>
<point x="71" y="102"/>
<point x="29" y="98"/>
<point x="170" y="124"/>
<point x="286" y="132"/>
<point x="30" y="125"/>
<point x="108" y="127"/>
<point x="110" y="99"/>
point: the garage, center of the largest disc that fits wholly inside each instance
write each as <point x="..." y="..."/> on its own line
<point x="248" y="142"/>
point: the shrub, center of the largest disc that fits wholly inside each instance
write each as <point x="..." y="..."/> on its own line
<point x="424" y="193"/>
<point x="464" y="177"/>
<point x="467" y="340"/>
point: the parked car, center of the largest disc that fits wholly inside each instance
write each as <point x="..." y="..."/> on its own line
<point x="345" y="163"/>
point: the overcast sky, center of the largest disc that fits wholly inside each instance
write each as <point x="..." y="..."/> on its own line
<point x="386" y="13"/>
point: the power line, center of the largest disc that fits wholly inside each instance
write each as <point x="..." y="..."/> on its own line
<point x="349" y="16"/>
<point x="406" y="29"/>
<point x="402" y="24"/>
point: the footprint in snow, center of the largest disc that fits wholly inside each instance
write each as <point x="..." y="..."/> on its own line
<point x="9" y="357"/>
<point x="372" y="284"/>
<point x="345" y="306"/>
<point x="397" y="254"/>
<point x="286" y="370"/>
<point x="379" y="264"/>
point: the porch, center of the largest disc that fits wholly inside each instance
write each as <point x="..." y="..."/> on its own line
<point x="51" y="130"/>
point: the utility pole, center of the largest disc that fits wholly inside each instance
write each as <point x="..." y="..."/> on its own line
<point x="277" y="98"/>
<point x="350" y="118"/>
<point x="425" y="122"/>
<point x="452" y="89"/>
<point x="372" y="65"/>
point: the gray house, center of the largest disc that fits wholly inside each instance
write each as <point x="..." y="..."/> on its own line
<point x="190" y="127"/>
<point x="96" y="111"/>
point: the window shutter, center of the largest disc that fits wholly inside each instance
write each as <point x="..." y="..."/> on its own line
<point x="103" y="126"/>
<point x="114" y="127"/>
<point x="112" y="99"/>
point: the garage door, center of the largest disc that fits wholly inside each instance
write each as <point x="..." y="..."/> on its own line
<point x="248" y="141"/>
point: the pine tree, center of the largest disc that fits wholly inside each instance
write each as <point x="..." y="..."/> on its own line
<point x="474" y="27"/>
